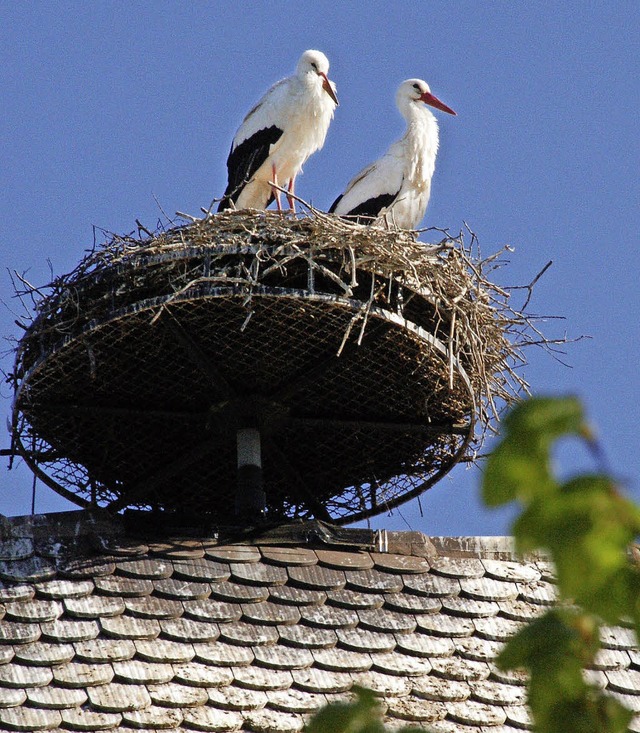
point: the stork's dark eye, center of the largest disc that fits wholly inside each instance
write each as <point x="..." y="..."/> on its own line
<point x="417" y="88"/>
<point x="314" y="65"/>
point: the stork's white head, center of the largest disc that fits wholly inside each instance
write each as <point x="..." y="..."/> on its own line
<point x="414" y="91"/>
<point x="316" y="64"/>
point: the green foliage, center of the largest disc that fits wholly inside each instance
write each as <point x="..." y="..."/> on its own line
<point x="555" y="648"/>
<point x="363" y="715"/>
<point x="360" y="716"/>
<point x="520" y="467"/>
<point x="587" y="526"/>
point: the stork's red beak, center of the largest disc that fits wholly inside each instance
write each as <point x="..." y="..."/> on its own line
<point x="326" y="85"/>
<point x="433" y="101"/>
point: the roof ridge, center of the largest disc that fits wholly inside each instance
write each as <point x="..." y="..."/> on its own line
<point x="103" y="532"/>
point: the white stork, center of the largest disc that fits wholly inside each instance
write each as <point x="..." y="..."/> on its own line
<point x="287" y="125"/>
<point x="396" y="187"/>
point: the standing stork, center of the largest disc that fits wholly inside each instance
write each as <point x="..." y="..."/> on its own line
<point x="397" y="186"/>
<point x="287" y="125"/>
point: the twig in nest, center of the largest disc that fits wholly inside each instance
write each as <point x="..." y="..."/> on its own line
<point x="162" y="211"/>
<point x="142" y="228"/>
<point x="292" y="196"/>
<point x="188" y="217"/>
<point x="529" y="287"/>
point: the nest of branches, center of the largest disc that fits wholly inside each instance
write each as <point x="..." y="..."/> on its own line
<point x="473" y="315"/>
<point x="427" y="348"/>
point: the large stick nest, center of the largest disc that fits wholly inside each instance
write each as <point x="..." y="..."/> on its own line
<point x="441" y="289"/>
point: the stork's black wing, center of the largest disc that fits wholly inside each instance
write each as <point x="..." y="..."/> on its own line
<point x="332" y="208"/>
<point x="368" y="210"/>
<point x="245" y="159"/>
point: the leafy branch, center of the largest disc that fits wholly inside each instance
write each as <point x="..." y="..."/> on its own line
<point x="587" y="526"/>
<point x="362" y="715"/>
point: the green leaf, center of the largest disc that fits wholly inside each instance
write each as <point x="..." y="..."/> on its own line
<point x="520" y="466"/>
<point x="612" y="716"/>
<point x="547" y="418"/>
<point x="551" y="642"/>
<point x="361" y="716"/>
<point x="511" y="473"/>
<point x="587" y="526"/>
<point x="592" y="712"/>
<point x="554" y="649"/>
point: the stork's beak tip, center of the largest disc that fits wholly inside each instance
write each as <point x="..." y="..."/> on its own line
<point x="328" y="87"/>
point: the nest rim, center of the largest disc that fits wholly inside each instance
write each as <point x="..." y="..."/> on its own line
<point x="126" y="259"/>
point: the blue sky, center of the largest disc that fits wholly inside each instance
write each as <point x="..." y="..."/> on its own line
<point x="111" y="110"/>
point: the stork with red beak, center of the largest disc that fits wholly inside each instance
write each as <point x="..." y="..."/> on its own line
<point x="287" y="125"/>
<point x="396" y="188"/>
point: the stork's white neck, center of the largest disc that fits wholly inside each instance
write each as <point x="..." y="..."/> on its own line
<point x="420" y="142"/>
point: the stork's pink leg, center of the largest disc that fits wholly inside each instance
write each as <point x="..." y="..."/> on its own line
<point x="290" y="199"/>
<point x="276" y="192"/>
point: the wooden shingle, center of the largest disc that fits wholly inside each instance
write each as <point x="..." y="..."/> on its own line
<point x="153" y="634"/>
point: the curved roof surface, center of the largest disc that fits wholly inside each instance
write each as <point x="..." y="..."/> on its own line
<point x="106" y="629"/>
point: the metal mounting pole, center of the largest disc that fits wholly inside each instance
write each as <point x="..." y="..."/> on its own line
<point x="250" y="496"/>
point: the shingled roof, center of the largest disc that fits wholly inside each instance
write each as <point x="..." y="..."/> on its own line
<point x="106" y="629"/>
